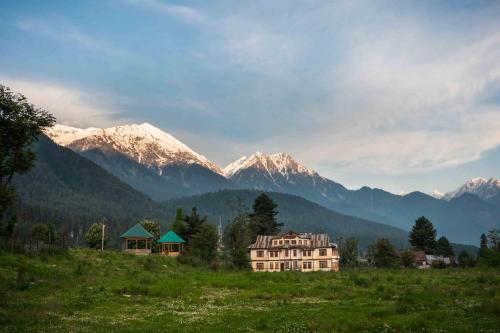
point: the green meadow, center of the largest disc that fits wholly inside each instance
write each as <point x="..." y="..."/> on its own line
<point x="89" y="291"/>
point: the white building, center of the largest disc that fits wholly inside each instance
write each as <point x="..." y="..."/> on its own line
<point x="294" y="251"/>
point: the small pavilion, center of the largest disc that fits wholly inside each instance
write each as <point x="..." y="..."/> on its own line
<point x="171" y="244"/>
<point x="137" y="240"/>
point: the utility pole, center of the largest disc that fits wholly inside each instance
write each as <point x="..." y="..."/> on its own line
<point x="102" y="239"/>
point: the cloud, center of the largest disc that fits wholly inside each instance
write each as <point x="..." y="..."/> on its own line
<point x="410" y="109"/>
<point x="183" y="12"/>
<point x="372" y="88"/>
<point x="71" y="106"/>
<point x="65" y="32"/>
<point x="256" y="47"/>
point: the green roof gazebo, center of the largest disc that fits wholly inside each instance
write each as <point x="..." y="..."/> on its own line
<point x="171" y="244"/>
<point x="137" y="240"/>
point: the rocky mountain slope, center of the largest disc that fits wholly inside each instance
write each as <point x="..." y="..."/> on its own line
<point x="145" y="157"/>
<point x="486" y="189"/>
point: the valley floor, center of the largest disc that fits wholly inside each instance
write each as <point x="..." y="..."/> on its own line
<point x="88" y="291"/>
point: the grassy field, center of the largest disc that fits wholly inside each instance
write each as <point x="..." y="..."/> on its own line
<point x="88" y="291"/>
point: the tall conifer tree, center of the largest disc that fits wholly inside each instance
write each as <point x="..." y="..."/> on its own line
<point x="263" y="218"/>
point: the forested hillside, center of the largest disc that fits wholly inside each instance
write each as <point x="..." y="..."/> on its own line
<point x="295" y="212"/>
<point x="72" y="192"/>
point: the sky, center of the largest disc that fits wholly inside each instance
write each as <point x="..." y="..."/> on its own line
<point x="399" y="95"/>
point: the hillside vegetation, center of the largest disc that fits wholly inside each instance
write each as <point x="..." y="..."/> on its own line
<point x="88" y="291"/>
<point x="72" y="192"/>
<point x="295" y="212"/>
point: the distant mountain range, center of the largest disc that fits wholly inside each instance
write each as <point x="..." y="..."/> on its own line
<point x="162" y="167"/>
<point x="73" y="192"/>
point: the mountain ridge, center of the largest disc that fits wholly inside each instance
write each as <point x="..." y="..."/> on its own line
<point x="279" y="172"/>
<point x="486" y="189"/>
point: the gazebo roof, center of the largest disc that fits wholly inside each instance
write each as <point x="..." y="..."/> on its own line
<point x="171" y="237"/>
<point x="137" y="231"/>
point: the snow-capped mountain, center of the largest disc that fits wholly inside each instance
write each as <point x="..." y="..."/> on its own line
<point x="486" y="189"/>
<point x="280" y="172"/>
<point x="436" y="194"/>
<point x="142" y="143"/>
<point x="145" y="157"/>
<point x="280" y="163"/>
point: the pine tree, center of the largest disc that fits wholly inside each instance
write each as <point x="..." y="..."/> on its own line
<point x="193" y="224"/>
<point x="483" y="246"/>
<point x="236" y="240"/>
<point x="385" y="254"/>
<point x="423" y="235"/>
<point x="203" y="244"/>
<point x="263" y="218"/>
<point x="444" y="248"/>
<point x="494" y="239"/>
<point x="179" y="225"/>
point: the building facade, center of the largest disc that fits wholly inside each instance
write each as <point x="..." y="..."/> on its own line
<point x="294" y="251"/>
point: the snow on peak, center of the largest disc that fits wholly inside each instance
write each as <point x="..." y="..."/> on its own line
<point x="476" y="181"/>
<point x="64" y="135"/>
<point x="480" y="186"/>
<point x="272" y="163"/>
<point x="436" y="194"/>
<point x="233" y="167"/>
<point x="144" y="143"/>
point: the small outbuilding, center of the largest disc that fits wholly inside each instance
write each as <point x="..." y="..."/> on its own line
<point x="171" y="244"/>
<point x="137" y="240"/>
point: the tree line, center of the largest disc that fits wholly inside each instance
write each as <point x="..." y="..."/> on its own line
<point x="204" y="245"/>
<point x="422" y="237"/>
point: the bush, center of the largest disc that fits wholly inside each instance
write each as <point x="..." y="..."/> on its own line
<point x="490" y="258"/>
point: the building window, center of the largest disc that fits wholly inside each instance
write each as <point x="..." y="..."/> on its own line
<point x="260" y="266"/>
<point x="287" y="265"/>
<point x="294" y="253"/>
<point x="294" y="242"/>
<point x="307" y="253"/>
<point x="300" y="242"/>
<point x="323" y="264"/>
<point x="260" y="254"/>
<point x="322" y="252"/>
<point x="306" y="265"/>
<point x="287" y="242"/>
<point x="281" y="242"/>
<point x="286" y="253"/>
<point x="275" y="242"/>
